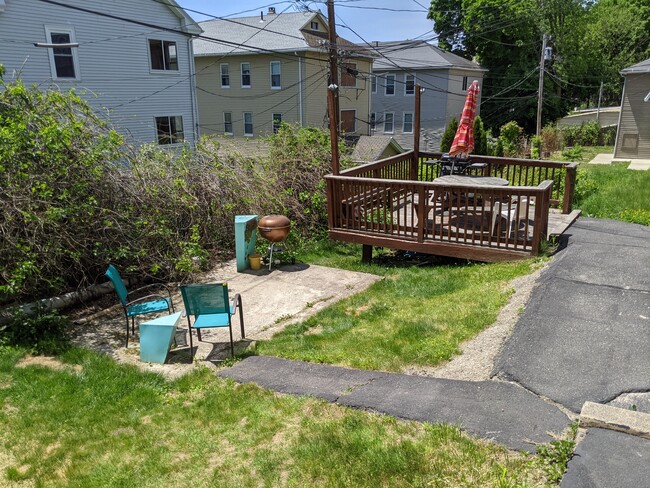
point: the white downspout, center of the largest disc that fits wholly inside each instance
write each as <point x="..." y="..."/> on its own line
<point x="300" y="89"/>
<point x="195" y="111"/>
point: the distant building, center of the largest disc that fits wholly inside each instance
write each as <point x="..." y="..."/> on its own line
<point x="374" y="148"/>
<point x="606" y="116"/>
<point x="633" y="135"/>
<point x="274" y="68"/>
<point x="137" y="76"/>
<point x="444" y="77"/>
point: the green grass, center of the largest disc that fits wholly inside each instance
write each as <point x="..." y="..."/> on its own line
<point x="414" y="316"/>
<point x="614" y="192"/>
<point x="585" y="153"/>
<point x="96" y="423"/>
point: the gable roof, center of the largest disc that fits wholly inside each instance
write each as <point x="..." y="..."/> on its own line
<point x="270" y="32"/>
<point x="370" y="148"/>
<point x="642" y="67"/>
<point x="189" y="25"/>
<point x="418" y="55"/>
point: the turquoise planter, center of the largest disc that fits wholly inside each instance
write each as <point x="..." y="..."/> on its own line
<point x="156" y="337"/>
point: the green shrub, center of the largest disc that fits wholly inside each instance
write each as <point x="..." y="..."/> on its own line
<point x="42" y="333"/>
<point x="573" y="154"/>
<point x="551" y="139"/>
<point x="510" y="136"/>
<point x="480" y="137"/>
<point x="536" y="147"/>
<point x="448" y="136"/>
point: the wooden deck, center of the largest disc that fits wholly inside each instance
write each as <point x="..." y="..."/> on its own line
<point x="398" y="203"/>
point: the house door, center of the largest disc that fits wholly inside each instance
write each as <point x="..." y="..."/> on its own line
<point x="348" y="121"/>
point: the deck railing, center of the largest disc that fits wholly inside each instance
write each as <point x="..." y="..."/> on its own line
<point x="396" y="203"/>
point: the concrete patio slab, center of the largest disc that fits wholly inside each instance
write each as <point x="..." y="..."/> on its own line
<point x="613" y="418"/>
<point x="636" y="164"/>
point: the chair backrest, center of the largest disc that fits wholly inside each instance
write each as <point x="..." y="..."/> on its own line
<point x="205" y="298"/>
<point x="114" y="275"/>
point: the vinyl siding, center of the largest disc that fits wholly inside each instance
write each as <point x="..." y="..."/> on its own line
<point x="635" y="117"/>
<point x="113" y="55"/>
<point x="443" y="98"/>
<point x="263" y="101"/>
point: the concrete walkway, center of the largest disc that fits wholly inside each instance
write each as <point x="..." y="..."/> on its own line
<point x="638" y="164"/>
<point x="584" y="336"/>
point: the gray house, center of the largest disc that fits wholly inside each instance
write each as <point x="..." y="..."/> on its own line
<point x="633" y="135"/>
<point x="132" y="60"/>
<point x="444" y="77"/>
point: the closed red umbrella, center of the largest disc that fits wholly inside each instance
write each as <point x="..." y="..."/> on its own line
<point x="464" y="139"/>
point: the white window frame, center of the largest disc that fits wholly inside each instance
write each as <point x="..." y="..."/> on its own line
<point x="465" y="83"/>
<point x="279" y="65"/>
<point x="386" y="85"/>
<point x="182" y="131"/>
<point x="404" y="131"/>
<point x="232" y="130"/>
<point x="406" y="76"/>
<point x="374" y="83"/>
<point x="392" y="115"/>
<point x="221" y="74"/>
<point x="250" y="75"/>
<point x="248" y="134"/>
<point x="164" y="70"/>
<point x="49" y="29"/>
<point x="273" y="119"/>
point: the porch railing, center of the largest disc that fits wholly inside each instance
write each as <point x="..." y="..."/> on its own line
<point x="396" y="203"/>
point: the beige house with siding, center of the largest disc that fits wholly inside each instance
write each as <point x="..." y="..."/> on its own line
<point x="259" y="71"/>
<point x="633" y="135"/>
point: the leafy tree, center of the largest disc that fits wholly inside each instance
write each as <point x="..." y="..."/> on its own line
<point x="480" y="137"/>
<point x="448" y="136"/>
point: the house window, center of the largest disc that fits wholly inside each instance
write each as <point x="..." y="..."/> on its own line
<point x="407" y="123"/>
<point x="63" y="60"/>
<point x="464" y="82"/>
<point x="170" y="129"/>
<point x="409" y="84"/>
<point x="349" y="74"/>
<point x="276" y="74"/>
<point x="277" y="120"/>
<point x="374" y="83"/>
<point x="388" y="122"/>
<point x="348" y="121"/>
<point x="373" y="121"/>
<point x="314" y="25"/>
<point x="163" y="55"/>
<point x="225" y="76"/>
<point x="246" y="75"/>
<point x="227" y="123"/>
<point x="389" y="88"/>
<point x="248" y="123"/>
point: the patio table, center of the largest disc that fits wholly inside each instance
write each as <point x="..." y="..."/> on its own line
<point x="472" y="180"/>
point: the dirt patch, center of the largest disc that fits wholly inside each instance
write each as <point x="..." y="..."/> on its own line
<point x="476" y="361"/>
<point x="47" y="362"/>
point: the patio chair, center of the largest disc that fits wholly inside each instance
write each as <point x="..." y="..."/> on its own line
<point x="139" y="306"/>
<point x="514" y="213"/>
<point x="211" y="307"/>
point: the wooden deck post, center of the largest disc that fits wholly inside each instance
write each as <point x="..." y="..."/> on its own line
<point x="569" y="186"/>
<point x="366" y="253"/>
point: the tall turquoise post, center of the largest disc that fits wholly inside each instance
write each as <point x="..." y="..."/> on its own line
<point x="245" y="237"/>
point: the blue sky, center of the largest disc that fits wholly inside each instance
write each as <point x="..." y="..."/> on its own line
<point x="373" y="20"/>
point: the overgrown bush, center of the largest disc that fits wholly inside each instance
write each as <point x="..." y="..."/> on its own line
<point x="448" y="136"/>
<point x="511" y="137"/>
<point x="551" y="139"/>
<point x="75" y="198"/>
<point x="573" y="154"/>
<point x="480" y="137"/>
<point x="40" y="333"/>
<point x="536" y="147"/>
<point x="585" y="134"/>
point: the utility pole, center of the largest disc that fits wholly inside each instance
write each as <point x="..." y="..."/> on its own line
<point x="600" y="97"/>
<point x="333" y="89"/>
<point x="540" y="91"/>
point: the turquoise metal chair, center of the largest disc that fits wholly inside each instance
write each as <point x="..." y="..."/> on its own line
<point x="211" y="307"/>
<point x="139" y="306"/>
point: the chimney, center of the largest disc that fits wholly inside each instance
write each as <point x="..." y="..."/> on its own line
<point x="271" y="11"/>
<point x="261" y="16"/>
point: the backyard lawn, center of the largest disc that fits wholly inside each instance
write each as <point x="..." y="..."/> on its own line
<point x="87" y="421"/>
